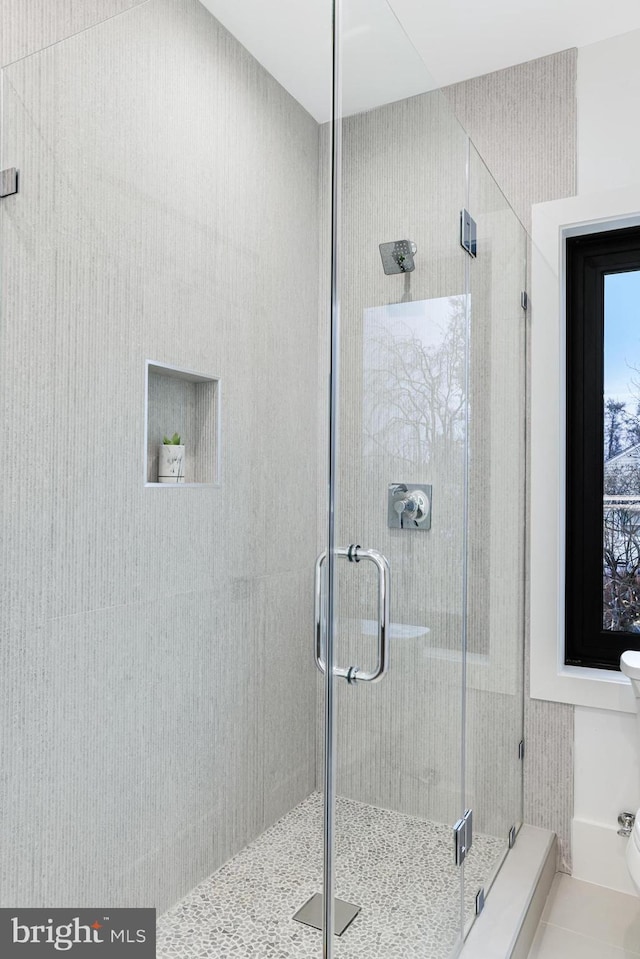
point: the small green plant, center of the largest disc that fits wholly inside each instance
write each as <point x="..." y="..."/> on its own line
<point x="174" y="441"/>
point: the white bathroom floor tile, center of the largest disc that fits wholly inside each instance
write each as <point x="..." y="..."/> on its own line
<point x="553" y="942"/>
<point x="595" y="912"/>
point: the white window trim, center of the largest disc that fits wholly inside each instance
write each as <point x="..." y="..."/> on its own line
<point x="552" y="223"/>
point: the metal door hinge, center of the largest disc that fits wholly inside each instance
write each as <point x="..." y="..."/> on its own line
<point x="468" y="233"/>
<point x="521" y="749"/>
<point x="8" y="182"/>
<point x="463" y="836"/>
<point x="512" y="837"/>
<point x="479" y="900"/>
<point x="524" y="300"/>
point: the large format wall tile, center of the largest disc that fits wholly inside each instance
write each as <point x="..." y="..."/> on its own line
<point x="523" y="122"/>
<point x="28" y="27"/>
<point x="126" y="741"/>
<point x="168" y="211"/>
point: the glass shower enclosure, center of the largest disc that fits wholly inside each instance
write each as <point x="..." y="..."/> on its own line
<point x="427" y="506"/>
<point x="296" y="673"/>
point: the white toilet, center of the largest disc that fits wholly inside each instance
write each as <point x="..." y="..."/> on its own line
<point x="630" y="666"/>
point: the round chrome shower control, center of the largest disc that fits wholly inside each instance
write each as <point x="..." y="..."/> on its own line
<point x="415" y="507"/>
<point x="409" y="506"/>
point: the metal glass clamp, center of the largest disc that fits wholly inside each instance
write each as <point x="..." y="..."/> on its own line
<point x="8" y="182"/>
<point x="354" y="674"/>
<point x="463" y="836"/>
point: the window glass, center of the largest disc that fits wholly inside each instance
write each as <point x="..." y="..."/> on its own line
<point x="621" y="473"/>
<point x="602" y="572"/>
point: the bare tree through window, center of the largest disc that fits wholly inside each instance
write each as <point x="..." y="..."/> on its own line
<point x="621" y="493"/>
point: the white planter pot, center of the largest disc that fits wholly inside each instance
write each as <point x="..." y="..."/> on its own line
<point x="170" y="463"/>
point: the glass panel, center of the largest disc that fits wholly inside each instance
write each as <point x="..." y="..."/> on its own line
<point x="402" y="424"/>
<point x="621" y="499"/>
<point x="497" y="397"/>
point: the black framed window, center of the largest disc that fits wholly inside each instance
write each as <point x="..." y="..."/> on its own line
<point x="603" y="448"/>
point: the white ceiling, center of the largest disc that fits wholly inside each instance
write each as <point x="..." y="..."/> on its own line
<point x="443" y="41"/>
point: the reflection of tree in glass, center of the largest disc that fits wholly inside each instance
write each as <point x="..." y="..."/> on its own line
<point x="621" y="569"/>
<point x="415" y="390"/>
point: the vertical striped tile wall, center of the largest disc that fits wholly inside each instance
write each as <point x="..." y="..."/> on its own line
<point x="523" y="121"/>
<point x="168" y="211"/>
<point x="29" y="27"/>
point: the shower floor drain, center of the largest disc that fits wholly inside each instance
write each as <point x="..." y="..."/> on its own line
<point x="311" y="913"/>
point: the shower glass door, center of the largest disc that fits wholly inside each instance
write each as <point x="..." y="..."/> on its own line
<point x="421" y="588"/>
<point x="400" y="367"/>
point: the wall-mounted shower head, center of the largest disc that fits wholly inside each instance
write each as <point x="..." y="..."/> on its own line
<point x="397" y="257"/>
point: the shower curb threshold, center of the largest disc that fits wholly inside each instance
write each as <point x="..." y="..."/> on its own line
<point x="506" y="927"/>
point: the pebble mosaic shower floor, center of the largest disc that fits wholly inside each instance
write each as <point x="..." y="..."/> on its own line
<point x="397" y="868"/>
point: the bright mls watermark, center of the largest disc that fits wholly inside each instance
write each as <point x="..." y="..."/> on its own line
<point x="79" y="933"/>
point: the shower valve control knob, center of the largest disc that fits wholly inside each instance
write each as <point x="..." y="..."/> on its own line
<point x="415" y="506"/>
<point x="409" y="506"/>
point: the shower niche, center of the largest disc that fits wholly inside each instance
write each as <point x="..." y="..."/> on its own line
<point x="188" y="403"/>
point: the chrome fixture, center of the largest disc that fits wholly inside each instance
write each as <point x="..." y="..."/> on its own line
<point x="8" y="182"/>
<point x="312" y="911"/>
<point x="463" y="837"/>
<point x="468" y="233"/>
<point x="397" y="256"/>
<point x="626" y="821"/>
<point x="409" y="506"/>
<point x="353" y="674"/>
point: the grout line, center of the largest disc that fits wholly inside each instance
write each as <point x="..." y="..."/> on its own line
<point x="73" y="34"/>
<point x="583" y="935"/>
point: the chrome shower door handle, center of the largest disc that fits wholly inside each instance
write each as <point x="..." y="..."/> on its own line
<point x="354" y="674"/>
<point x="384" y="614"/>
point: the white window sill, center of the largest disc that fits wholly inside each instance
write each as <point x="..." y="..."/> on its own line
<point x="579" y="686"/>
<point x="552" y="222"/>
